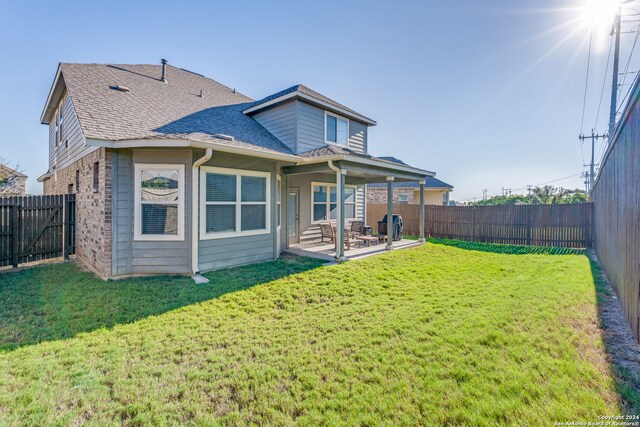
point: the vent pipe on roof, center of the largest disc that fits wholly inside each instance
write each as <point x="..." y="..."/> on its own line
<point x="164" y="70"/>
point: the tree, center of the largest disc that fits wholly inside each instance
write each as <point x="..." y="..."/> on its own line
<point x="547" y="195"/>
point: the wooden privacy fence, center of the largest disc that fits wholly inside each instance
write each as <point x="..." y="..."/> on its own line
<point x="33" y="228"/>
<point x="536" y="225"/>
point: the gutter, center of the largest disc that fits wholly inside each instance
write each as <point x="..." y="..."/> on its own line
<point x="195" y="211"/>
<point x="370" y="162"/>
<point x="313" y="100"/>
<point x="189" y="143"/>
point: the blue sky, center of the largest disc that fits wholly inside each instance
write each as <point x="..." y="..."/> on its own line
<point x="487" y="96"/>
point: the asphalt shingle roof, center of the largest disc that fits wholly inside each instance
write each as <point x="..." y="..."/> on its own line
<point x="310" y="92"/>
<point x="392" y="159"/>
<point x="330" y="150"/>
<point x="430" y="182"/>
<point x="152" y="109"/>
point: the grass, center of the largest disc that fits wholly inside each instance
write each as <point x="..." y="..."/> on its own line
<point x="59" y="301"/>
<point x="432" y="335"/>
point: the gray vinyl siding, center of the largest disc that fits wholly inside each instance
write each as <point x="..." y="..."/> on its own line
<point x="357" y="137"/>
<point x="281" y="122"/>
<point x="360" y="200"/>
<point x="300" y="126"/>
<point x="146" y="257"/>
<point x="310" y="127"/>
<point x="76" y="148"/>
<point x="233" y="251"/>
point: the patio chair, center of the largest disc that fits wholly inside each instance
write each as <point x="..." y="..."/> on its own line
<point x="326" y="231"/>
<point x="357" y="228"/>
<point x="349" y="237"/>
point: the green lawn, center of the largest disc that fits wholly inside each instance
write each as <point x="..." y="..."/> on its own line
<point x="431" y="335"/>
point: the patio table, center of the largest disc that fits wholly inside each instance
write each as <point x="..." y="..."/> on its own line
<point x="368" y="239"/>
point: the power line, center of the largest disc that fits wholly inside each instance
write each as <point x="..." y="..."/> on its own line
<point x="622" y="102"/>
<point x="523" y="188"/>
<point x="604" y="81"/>
<point x="586" y="80"/>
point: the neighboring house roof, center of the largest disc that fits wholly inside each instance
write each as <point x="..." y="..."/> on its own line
<point x="429" y="183"/>
<point x="130" y="102"/>
<point x="310" y="95"/>
<point x="7" y="171"/>
<point x="392" y="159"/>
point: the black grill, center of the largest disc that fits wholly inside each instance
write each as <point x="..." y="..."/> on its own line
<point x="397" y="226"/>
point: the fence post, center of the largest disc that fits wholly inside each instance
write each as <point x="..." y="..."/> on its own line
<point x="473" y="223"/>
<point x="529" y="213"/>
<point x="66" y="226"/>
<point x="15" y="232"/>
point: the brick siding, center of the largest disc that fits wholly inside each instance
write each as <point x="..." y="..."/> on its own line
<point x="93" y="209"/>
<point x="379" y="195"/>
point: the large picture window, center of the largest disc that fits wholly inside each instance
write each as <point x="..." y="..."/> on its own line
<point x="233" y="202"/>
<point x="336" y="129"/>
<point x="159" y="207"/>
<point x="324" y="202"/>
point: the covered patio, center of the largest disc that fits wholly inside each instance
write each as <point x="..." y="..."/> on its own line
<point x="346" y="168"/>
<point x="327" y="251"/>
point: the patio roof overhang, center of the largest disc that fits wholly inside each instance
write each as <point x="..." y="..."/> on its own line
<point x="359" y="169"/>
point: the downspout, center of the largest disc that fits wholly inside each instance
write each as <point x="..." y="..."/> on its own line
<point x="195" y="212"/>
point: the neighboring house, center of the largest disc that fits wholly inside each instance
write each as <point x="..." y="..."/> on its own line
<point x="12" y="182"/>
<point x="436" y="192"/>
<point x="177" y="173"/>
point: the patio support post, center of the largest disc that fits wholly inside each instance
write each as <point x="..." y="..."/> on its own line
<point x="340" y="178"/>
<point x="284" y="213"/>
<point x="390" y="212"/>
<point x="421" y="212"/>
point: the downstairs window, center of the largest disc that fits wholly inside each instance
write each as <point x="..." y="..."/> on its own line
<point x="234" y="203"/>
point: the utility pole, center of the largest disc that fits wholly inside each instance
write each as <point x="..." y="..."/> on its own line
<point x="614" y="85"/>
<point x="484" y="194"/>
<point x="529" y="188"/>
<point x="592" y="166"/>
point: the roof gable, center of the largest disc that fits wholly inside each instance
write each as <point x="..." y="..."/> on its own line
<point x="303" y="92"/>
<point x="117" y="102"/>
<point x="6" y="170"/>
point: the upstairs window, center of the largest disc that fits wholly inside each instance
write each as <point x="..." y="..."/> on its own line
<point x="59" y="118"/>
<point x="234" y="203"/>
<point x="336" y="129"/>
<point x="159" y="207"/>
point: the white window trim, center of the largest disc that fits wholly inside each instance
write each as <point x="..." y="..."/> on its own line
<point x="329" y="184"/>
<point x="279" y="202"/>
<point x="326" y="141"/>
<point x="137" y="221"/>
<point x="203" y="203"/>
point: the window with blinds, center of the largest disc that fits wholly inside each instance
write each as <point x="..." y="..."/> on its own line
<point x="234" y="202"/>
<point x="159" y="209"/>
<point x="325" y="205"/>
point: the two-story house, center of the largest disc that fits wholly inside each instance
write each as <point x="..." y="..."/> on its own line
<point x="177" y="173"/>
